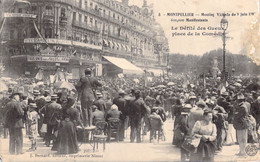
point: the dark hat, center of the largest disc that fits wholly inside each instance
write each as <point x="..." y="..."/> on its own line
<point x="201" y="104"/>
<point x="137" y="92"/>
<point x="88" y="71"/>
<point x="157" y="102"/>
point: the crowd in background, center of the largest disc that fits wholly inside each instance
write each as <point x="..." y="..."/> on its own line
<point x="218" y="113"/>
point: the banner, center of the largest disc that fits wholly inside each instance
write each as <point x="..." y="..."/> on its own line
<point x="19" y="15"/>
<point x="48" y="59"/>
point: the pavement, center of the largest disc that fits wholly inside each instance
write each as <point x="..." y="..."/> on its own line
<point x="122" y="151"/>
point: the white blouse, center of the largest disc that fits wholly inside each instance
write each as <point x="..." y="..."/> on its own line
<point x="208" y="130"/>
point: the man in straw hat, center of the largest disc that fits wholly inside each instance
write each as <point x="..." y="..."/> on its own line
<point x="240" y="124"/>
<point x="14" y="122"/>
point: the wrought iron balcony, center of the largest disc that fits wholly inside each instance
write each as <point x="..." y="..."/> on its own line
<point x="49" y="19"/>
<point x="63" y="20"/>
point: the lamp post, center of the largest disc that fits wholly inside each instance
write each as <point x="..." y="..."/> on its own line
<point x="224" y="26"/>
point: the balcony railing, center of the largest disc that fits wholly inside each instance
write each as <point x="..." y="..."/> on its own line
<point x="48" y="19"/>
<point x="63" y="20"/>
<point x="85" y="26"/>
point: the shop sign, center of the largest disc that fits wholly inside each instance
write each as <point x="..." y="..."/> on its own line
<point x="19" y="15"/>
<point x="47" y="59"/>
<point x="50" y="41"/>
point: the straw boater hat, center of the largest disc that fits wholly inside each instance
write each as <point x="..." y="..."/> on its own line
<point x="186" y="109"/>
<point x="54" y="96"/>
<point x="33" y="105"/>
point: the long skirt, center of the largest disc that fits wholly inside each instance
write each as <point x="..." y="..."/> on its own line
<point x="67" y="138"/>
<point x="205" y="152"/>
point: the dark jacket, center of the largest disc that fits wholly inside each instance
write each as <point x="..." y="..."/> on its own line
<point x="120" y="102"/>
<point x="115" y="114"/>
<point x="137" y="108"/>
<point x="240" y="116"/>
<point x="14" y="114"/>
<point x="98" y="116"/>
<point x="85" y="88"/>
<point x="74" y="115"/>
<point x="101" y="104"/>
<point x="49" y="110"/>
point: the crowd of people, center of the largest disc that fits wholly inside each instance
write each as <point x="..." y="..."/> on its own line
<point x="213" y="113"/>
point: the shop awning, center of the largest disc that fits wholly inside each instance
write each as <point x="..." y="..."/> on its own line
<point x="126" y="66"/>
<point x="156" y="72"/>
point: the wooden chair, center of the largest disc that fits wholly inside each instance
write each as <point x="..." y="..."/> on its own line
<point x="100" y="136"/>
<point x="113" y="128"/>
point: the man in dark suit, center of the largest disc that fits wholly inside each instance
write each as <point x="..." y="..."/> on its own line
<point x="97" y="115"/>
<point x="121" y="104"/>
<point x="85" y="89"/>
<point x="51" y="116"/>
<point x="137" y="111"/>
<point x="100" y="102"/>
<point x="14" y="121"/>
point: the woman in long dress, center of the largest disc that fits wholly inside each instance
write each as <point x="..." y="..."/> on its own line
<point x="207" y="132"/>
<point x="67" y="137"/>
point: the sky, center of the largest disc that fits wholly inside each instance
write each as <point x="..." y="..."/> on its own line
<point x="237" y="31"/>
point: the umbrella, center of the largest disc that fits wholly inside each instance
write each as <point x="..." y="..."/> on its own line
<point x="12" y="82"/>
<point x="3" y="87"/>
<point x="170" y="83"/>
<point x="161" y="86"/>
<point x="237" y="84"/>
<point x="40" y="83"/>
<point x="6" y="78"/>
<point x="239" y="80"/>
<point x="64" y="84"/>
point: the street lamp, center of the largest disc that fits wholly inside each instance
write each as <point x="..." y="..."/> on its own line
<point x="224" y="26"/>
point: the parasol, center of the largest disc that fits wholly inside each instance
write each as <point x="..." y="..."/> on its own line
<point x="3" y="87"/>
<point x="40" y="83"/>
<point x="237" y="84"/>
<point x="170" y="84"/>
<point x="161" y="86"/>
<point x="64" y="84"/>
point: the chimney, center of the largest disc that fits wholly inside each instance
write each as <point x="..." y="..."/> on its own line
<point x="125" y="2"/>
<point x="145" y="3"/>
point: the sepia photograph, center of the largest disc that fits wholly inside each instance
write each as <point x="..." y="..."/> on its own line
<point x="129" y="80"/>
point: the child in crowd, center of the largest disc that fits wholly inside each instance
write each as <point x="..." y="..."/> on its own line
<point x="33" y="125"/>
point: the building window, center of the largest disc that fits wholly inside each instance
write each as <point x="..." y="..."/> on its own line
<point x="96" y="23"/>
<point x="86" y="19"/>
<point x="63" y="12"/>
<point x="49" y="10"/>
<point x="19" y="34"/>
<point x="86" y="4"/>
<point x="33" y="33"/>
<point x="48" y="33"/>
<point x="20" y="10"/>
<point x="91" y="21"/>
<point x="11" y="36"/>
<point x="34" y="9"/>
<point x="114" y="15"/>
<point x="74" y="16"/>
<point x="63" y="33"/>
<point x="91" y="5"/>
<point x="80" y="17"/>
<point x="80" y="3"/>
